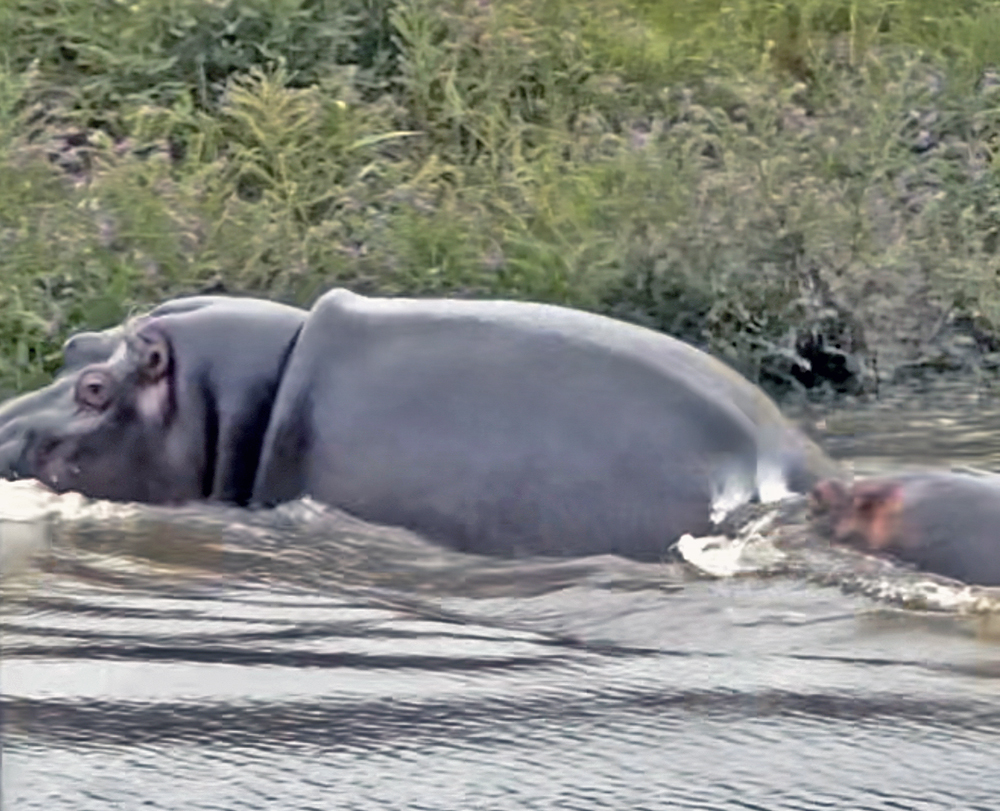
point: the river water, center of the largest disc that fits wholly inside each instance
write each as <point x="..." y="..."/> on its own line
<point x="212" y="658"/>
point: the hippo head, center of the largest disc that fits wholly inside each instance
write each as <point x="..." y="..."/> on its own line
<point x="112" y="437"/>
<point x="866" y="514"/>
<point x="170" y="407"/>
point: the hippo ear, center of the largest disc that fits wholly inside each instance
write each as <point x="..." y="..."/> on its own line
<point x="154" y="356"/>
<point x="871" y="499"/>
<point x="829" y="496"/>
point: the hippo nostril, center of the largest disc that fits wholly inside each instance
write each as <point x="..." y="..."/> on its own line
<point x="10" y="454"/>
<point x="15" y="457"/>
<point x="24" y="457"/>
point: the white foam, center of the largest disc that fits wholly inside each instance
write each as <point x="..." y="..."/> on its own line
<point x="721" y="556"/>
<point x="729" y="493"/>
<point x="923" y="591"/>
<point x="28" y="512"/>
<point x="768" y="484"/>
<point x="29" y="500"/>
<point x="772" y="484"/>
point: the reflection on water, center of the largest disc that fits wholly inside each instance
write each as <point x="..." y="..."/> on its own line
<point x="298" y="658"/>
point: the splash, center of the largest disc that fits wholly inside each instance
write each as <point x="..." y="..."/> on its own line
<point x="777" y="539"/>
<point x="751" y="552"/>
<point x="29" y="512"/>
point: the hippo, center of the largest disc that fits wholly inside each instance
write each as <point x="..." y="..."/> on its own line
<point x="494" y="427"/>
<point x="943" y="522"/>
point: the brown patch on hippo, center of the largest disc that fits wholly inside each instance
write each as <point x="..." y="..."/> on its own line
<point x="868" y="514"/>
<point x="875" y="516"/>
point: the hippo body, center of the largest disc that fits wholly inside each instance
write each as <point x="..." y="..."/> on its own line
<point x="940" y="521"/>
<point x="489" y="426"/>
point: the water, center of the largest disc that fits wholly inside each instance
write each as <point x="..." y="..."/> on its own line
<point x="209" y="658"/>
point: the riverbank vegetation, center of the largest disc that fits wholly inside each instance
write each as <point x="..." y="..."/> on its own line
<point x="754" y="176"/>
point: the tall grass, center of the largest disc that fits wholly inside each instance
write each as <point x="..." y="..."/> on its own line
<point x="698" y="166"/>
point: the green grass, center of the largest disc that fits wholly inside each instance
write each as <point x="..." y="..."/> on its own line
<point x="691" y="165"/>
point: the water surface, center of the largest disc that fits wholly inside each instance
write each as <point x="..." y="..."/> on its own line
<point x="210" y="658"/>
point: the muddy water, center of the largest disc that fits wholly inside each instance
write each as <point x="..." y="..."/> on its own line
<point x="220" y="659"/>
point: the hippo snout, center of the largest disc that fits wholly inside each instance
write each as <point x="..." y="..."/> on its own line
<point x="12" y="459"/>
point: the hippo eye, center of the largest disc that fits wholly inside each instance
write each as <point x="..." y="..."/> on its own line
<point x="93" y="389"/>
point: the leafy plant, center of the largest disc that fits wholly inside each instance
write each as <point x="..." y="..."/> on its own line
<point x="705" y="169"/>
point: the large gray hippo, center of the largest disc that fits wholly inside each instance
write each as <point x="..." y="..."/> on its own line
<point x="490" y="426"/>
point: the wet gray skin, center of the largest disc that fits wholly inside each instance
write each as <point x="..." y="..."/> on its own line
<point x="495" y="427"/>
<point x="512" y="428"/>
<point x="85" y="348"/>
<point x="20" y="415"/>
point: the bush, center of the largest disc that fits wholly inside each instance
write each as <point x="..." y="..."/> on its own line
<point x="716" y="172"/>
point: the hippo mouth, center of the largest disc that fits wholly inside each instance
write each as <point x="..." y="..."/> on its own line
<point x="19" y="455"/>
<point x="11" y="460"/>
